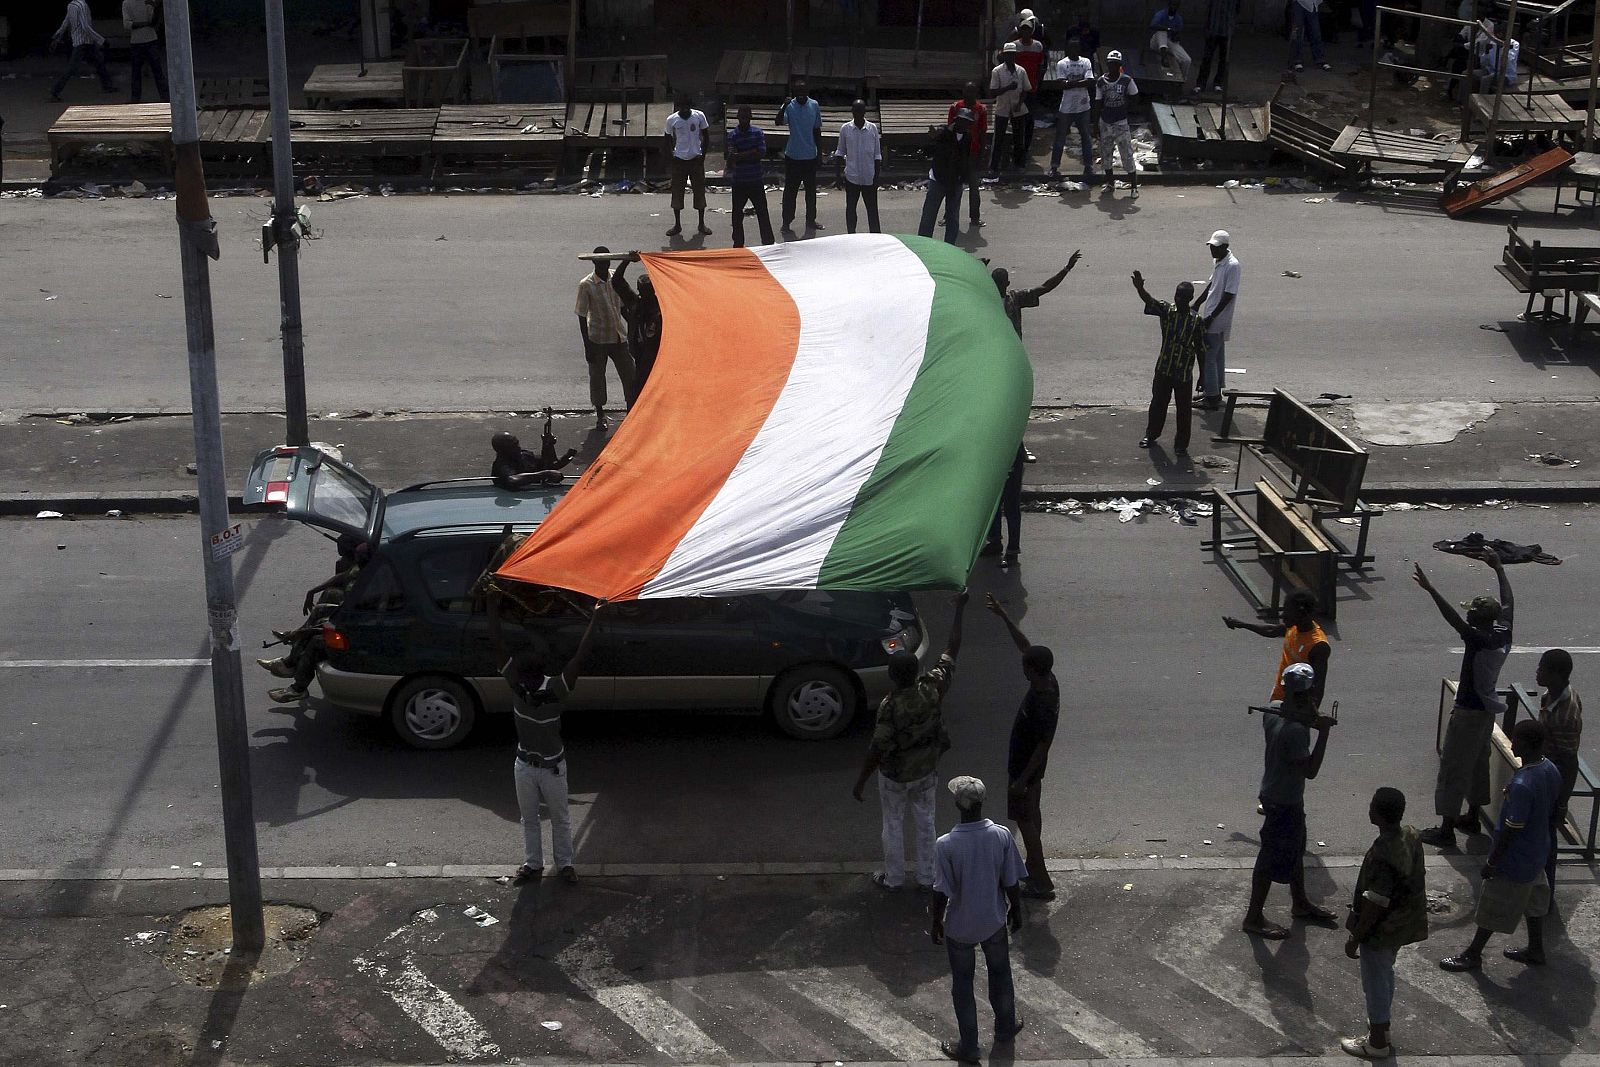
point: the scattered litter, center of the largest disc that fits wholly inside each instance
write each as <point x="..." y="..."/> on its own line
<point x="196" y="863"/>
<point x="1315" y="200"/>
<point x="1234" y="370"/>
<point x="135" y="189"/>
<point x="1551" y="459"/>
<point x="391" y="863"/>
<point x="1439" y="902"/>
<point x="479" y="916"/>
<point x="1127" y="887"/>
<point x="1152" y="481"/>
<point x="1231" y="183"/>
<point x="49" y="515"/>
<point x="115" y="513"/>
<point x="144" y="938"/>
<point x="504" y="879"/>
<point x="191" y="468"/>
<point x="441" y="237"/>
<point x="550" y="1024"/>
<point x="1291" y="274"/>
<point x="163" y="296"/>
<point x="1492" y="327"/>
<point x="1207" y="841"/>
<point x="1220" y="826"/>
<point x="1322" y="844"/>
<point x="53" y="296"/>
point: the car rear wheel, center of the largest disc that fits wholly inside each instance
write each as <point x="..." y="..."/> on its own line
<point x="433" y="712"/>
<point x="815" y="702"/>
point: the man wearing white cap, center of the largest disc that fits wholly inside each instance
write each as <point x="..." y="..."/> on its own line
<point x="1216" y="301"/>
<point x="977" y="897"/>
<point x="1009" y="85"/>
<point x="1114" y="89"/>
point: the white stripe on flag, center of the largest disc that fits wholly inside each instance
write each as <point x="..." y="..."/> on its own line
<point x="859" y="351"/>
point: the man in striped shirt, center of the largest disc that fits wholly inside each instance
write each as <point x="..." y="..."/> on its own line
<point x="87" y="46"/>
<point x="1183" y="339"/>
<point x="1562" y="714"/>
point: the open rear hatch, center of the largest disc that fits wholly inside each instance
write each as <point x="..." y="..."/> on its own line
<point x="310" y="486"/>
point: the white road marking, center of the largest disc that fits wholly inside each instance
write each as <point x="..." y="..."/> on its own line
<point x="1078" y="1019"/>
<point x="1190" y="950"/>
<point x="430" y="1007"/>
<point x="590" y="964"/>
<point x="84" y="664"/>
<point x="832" y="992"/>
<point x="1536" y="650"/>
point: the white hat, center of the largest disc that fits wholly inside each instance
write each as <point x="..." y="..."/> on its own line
<point x="1010" y="46"/>
<point x="967" y="790"/>
<point x="1113" y="56"/>
<point x="1220" y="237"/>
<point x="1299" y="678"/>
<point x="1026" y="15"/>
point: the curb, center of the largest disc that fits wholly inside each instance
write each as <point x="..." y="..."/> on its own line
<point x="1068" y="865"/>
<point x="187" y="502"/>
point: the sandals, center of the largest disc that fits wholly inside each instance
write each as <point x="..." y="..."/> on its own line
<point x="1270" y="931"/>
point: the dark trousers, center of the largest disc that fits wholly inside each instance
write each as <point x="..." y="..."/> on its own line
<point x="1065" y="124"/>
<point x="866" y="193"/>
<point x="1567" y="764"/>
<point x="798" y="172"/>
<point x="144" y="55"/>
<point x="1010" y="506"/>
<point x="1002" y="995"/>
<point x="1019" y="127"/>
<point x="1215" y="46"/>
<point x="1027" y="127"/>
<point x="949" y="198"/>
<point x="1162" y="391"/>
<point x="81" y="54"/>
<point x="974" y="179"/>
<point x="755" y="195"/>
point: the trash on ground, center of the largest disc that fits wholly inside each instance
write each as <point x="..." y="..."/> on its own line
<point x="49" y="515"/>
<point x="479" y="916"/>
<point x="1551" y="459"/>
<point x="550" y="1024"/>
<point x="1292" y="274"/>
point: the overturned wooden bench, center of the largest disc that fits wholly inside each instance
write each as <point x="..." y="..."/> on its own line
<point x="1305" y="138"/>
<point x="1548" y="271"/>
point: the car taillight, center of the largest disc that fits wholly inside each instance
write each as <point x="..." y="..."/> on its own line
<point x="896" y="643"/>
<point x="277" y="493"/>
<point x="333" y="639"/>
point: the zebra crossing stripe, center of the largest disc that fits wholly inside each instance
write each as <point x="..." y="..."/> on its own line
<point x="1078" y="1019"/>
<point x="590" y="964"/>
<point x="427" y="1005"/>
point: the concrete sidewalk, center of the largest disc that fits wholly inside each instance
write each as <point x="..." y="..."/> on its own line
<point x="1129" y="963"/>
<point x="88" y="466"/>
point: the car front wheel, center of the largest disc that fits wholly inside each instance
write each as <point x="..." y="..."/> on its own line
<point x="815" y="702"/>
<point x="433" y="712"/>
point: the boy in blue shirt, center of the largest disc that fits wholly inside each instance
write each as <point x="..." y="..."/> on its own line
<point x="803" y="116"/>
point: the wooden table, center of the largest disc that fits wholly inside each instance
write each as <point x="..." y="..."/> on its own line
<point x="619" y="77"/>
<point x="1518" y="114"/>
<point x="904" y="123"/>
<point x="498" y="130"/>
<point x="521" y="20"/>
<point x="341" y="83"/>
<point x="903" y="72"/>
<point x="752" y="76"/>
<point x="111" y="124"/>
<point x="1367" y="146"/>
<point x="617" y="124"/>
<point x="370" y="133"/>
<point x="1202" y="132"/>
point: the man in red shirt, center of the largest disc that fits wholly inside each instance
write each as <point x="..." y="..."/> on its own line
<point x="979" y="144"/>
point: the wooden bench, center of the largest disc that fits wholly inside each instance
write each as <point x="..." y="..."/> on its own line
<point x="518" y="138"/>
<point x="119" y="125"/>
<point x="337" y="137"/>
<point x="1311" y="481"/>
<point x="547" y="23"/>
<point x="1363" y="146"/>
<point x="232" y="92"/>
<point x="1520" y="113"/>
<point x="1548" y="271"/>
<point x="1304" y="138"/>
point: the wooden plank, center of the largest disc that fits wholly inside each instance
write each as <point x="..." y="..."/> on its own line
<point x="1167" y="122"/>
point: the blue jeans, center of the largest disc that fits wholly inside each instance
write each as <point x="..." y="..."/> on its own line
<point x="949" y="197"/>
<point x="1080" y="121"/>
<point x="1305" y="27"/>
<point x="1211" y="369"/>
<point x="1377" y="982"/>
<point x="1002" y="998"/>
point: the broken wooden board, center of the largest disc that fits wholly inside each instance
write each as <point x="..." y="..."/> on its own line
<point x="1367" y="145"/>
<point x="1200" y="131"/>
<point x="1469" y="198"/>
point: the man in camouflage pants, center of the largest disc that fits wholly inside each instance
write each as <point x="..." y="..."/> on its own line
<point x="906" y="745"/>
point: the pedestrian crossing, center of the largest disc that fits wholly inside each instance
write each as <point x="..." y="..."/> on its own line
<point x="849" y="974"/>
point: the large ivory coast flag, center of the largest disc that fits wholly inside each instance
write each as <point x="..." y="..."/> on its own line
<point x="828" y="414"/>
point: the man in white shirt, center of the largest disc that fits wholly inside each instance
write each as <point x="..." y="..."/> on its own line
<point x="605" y="336"/>
<point x="87" y="45"/>
<point x="139" y="19"/>
<point x="688" y="136"/>
<point x="1010" y="85"/>
<point x="1076" y="74"/>
<point x="1305" y="27"/>
<point x="858" y="154"/>
<point x="1217" y="301"/>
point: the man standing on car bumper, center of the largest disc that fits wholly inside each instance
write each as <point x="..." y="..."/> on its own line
<point x="540" y="770"/>
<point x="906" y="745"/>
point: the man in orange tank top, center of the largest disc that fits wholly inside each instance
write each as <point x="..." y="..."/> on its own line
<point x="1303" y="641"/>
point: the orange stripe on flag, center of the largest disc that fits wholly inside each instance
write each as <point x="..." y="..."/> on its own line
<point x="728" y="344"/>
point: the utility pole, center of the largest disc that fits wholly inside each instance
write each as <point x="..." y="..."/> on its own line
<point x="197" y="240"/>
<point x="283" y="233"/>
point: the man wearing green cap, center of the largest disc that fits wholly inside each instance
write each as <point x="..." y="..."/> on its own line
<point x="1464" y="757"/>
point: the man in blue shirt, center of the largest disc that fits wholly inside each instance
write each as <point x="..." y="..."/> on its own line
<point x="1165" y="27"/>
<point x="803" y="116"/>
<point x="976" y="898"/>
<point x="746" y="147"/>
<point x="1514" y="885"/>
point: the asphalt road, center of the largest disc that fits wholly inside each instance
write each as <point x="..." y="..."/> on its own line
<point x="117" y="766"/>
<point x="464" y="303"/>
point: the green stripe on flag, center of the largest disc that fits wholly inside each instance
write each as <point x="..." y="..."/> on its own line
<point x="921" y="516"/>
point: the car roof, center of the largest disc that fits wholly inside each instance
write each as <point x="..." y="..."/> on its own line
<point x="408" y="510"/>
